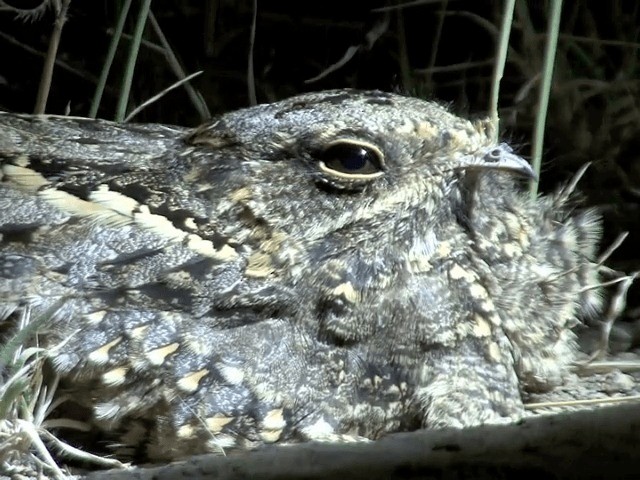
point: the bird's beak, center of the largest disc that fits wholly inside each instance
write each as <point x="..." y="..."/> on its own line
<point x="498" y="157"/>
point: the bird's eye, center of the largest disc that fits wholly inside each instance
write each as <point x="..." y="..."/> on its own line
<point x="352" y="160"/>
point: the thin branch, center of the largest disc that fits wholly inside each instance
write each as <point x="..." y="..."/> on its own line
<point x="106" y="65"/>
<point x="195" y="97"/>
<point x="131" y="60"/>
<point x="50" y="59"/>
<point x="545" y="90"/>
<point x="251" y="80"/>
<point x="173" y="86"/>
<point x="501" y="60"/>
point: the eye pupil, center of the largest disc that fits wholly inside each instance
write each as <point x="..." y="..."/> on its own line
<point x="355" y="160"/>
<point x="352" y="159"/>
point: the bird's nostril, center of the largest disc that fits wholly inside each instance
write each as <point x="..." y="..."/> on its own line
<point x="494" y="155"/>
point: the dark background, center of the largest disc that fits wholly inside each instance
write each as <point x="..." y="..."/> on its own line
<point x="594" y="113"/>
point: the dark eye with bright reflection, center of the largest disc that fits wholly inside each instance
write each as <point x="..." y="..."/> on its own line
<point x="352" y="160"/>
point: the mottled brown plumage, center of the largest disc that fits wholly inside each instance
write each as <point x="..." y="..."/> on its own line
<point x="331" y="267"/>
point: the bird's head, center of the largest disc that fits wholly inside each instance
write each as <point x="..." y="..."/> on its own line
<point x="324" y="162"/>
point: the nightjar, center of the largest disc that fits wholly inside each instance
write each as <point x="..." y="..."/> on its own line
<point x="331" y="267"/>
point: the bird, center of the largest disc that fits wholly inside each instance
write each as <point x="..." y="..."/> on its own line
<point x="334" y="267"/>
